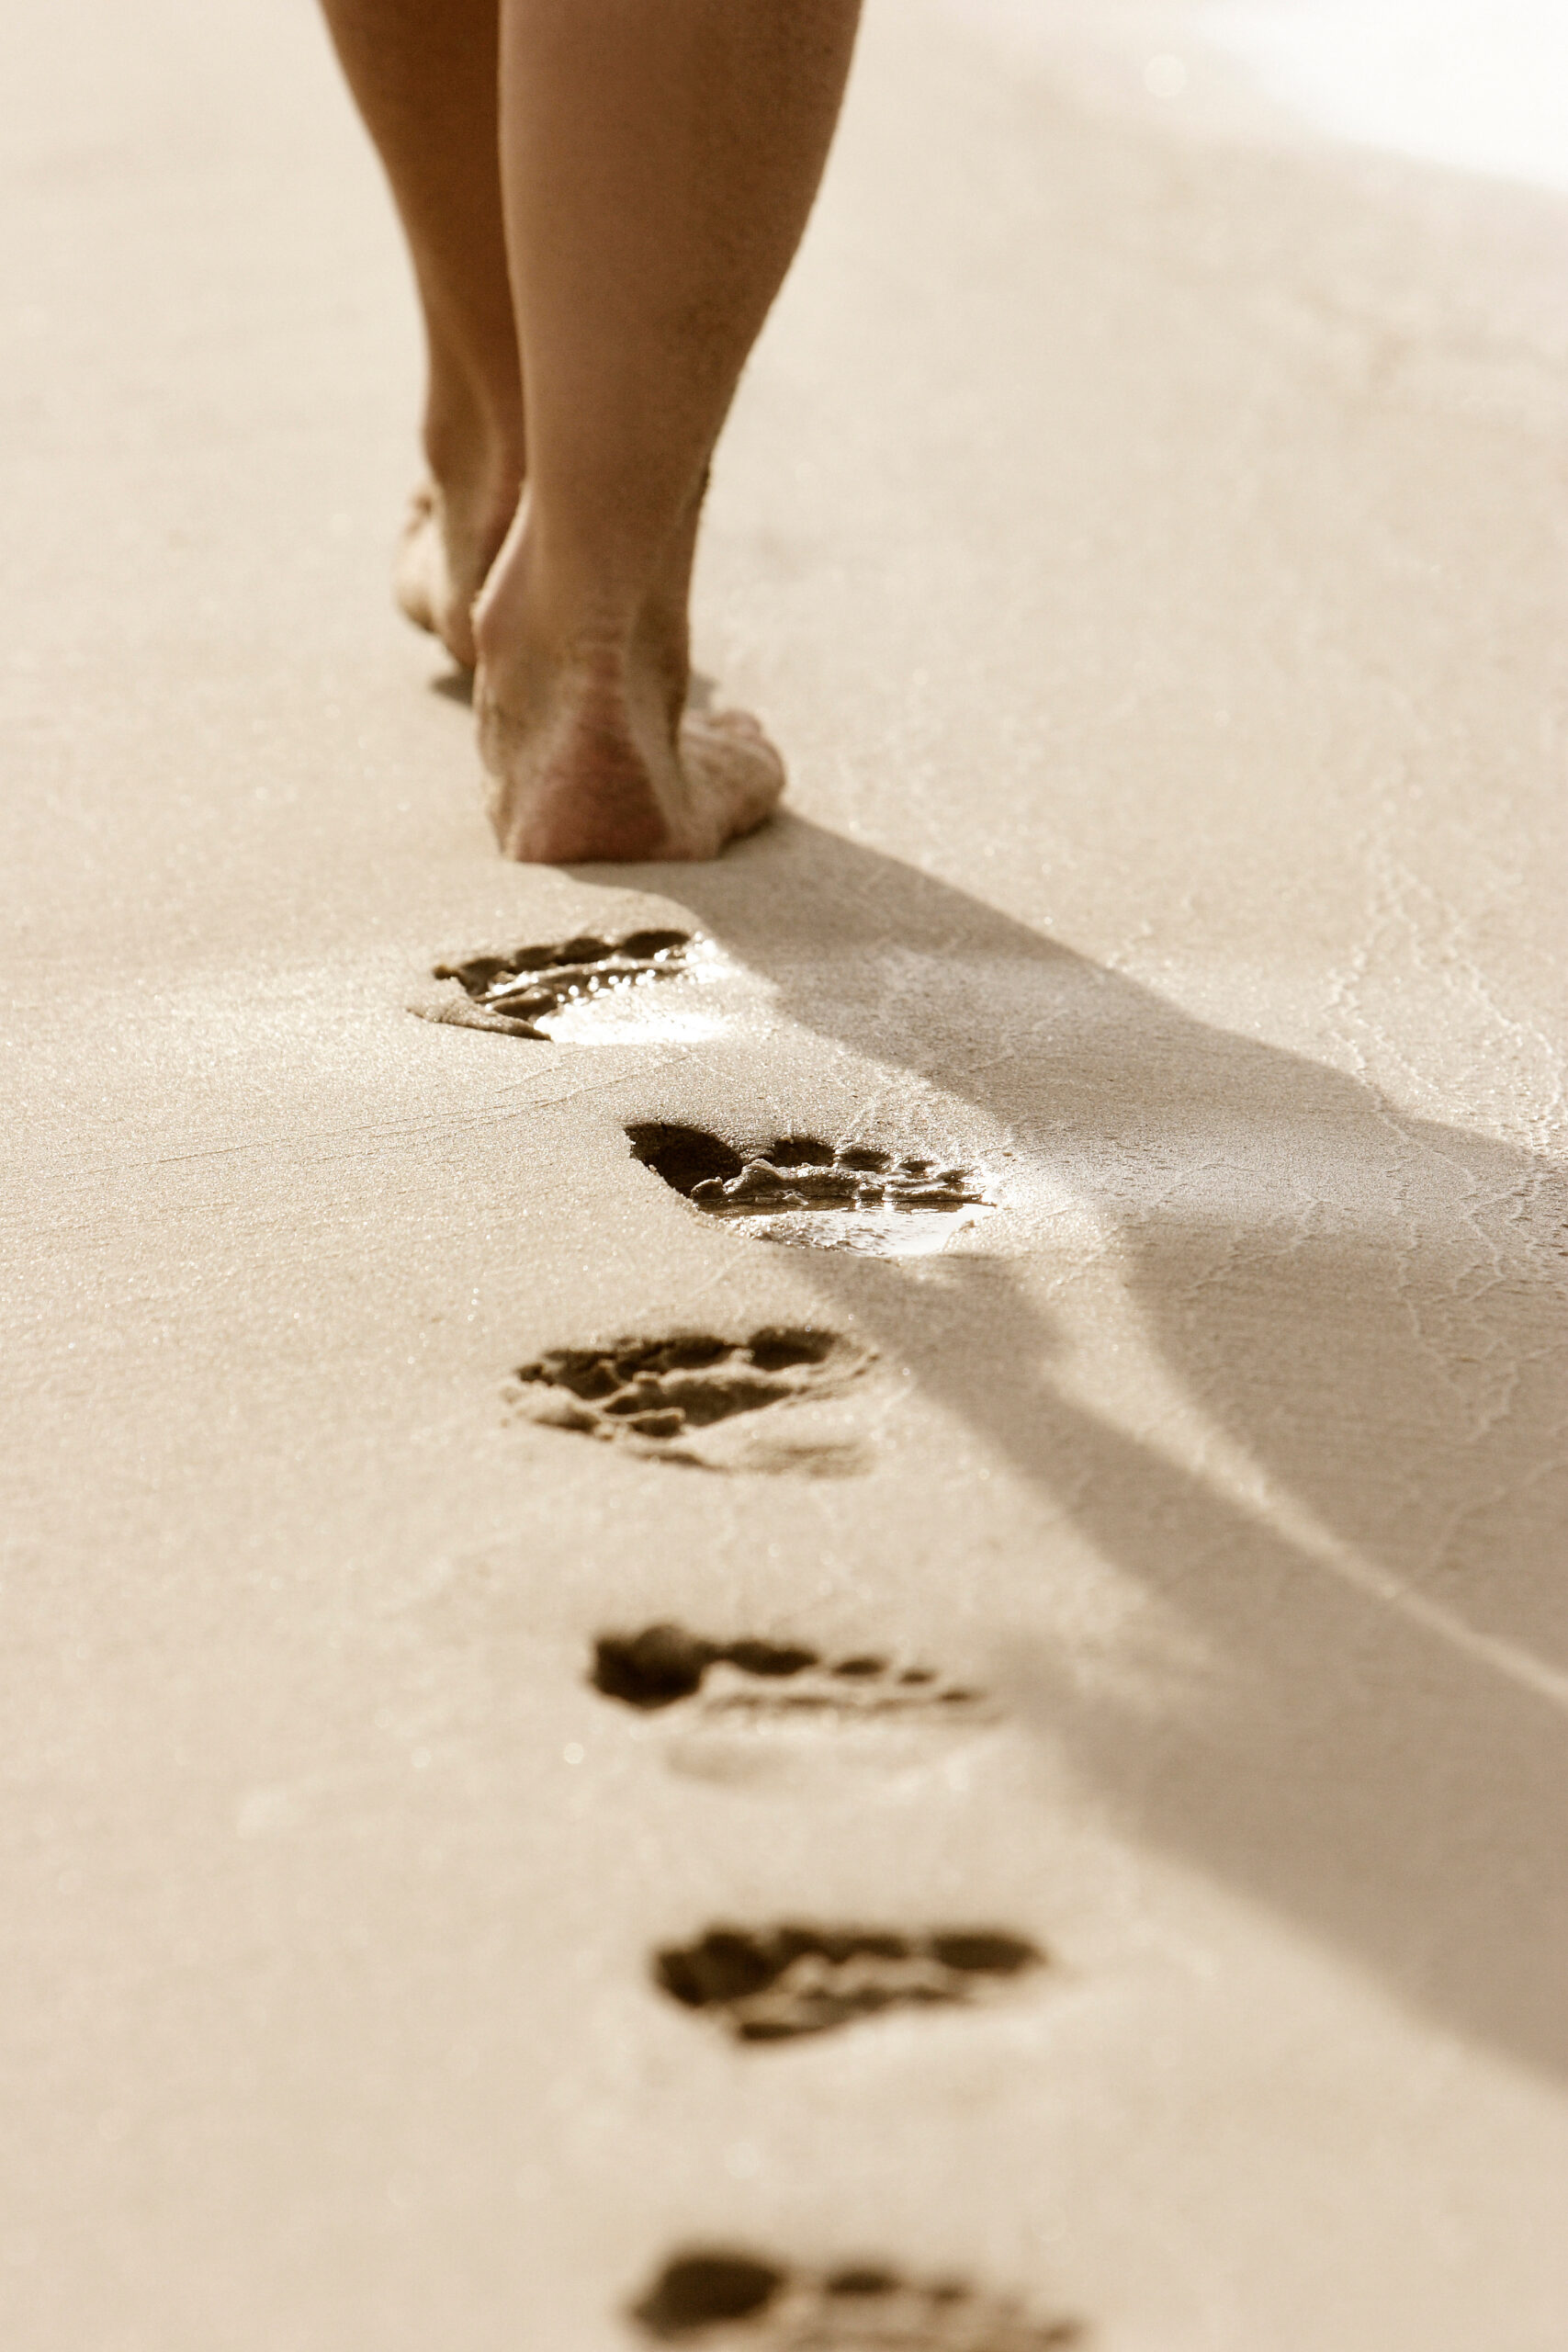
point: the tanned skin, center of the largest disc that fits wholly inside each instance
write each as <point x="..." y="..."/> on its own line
<point x="600" y="199"/>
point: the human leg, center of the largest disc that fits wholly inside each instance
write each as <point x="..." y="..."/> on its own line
<point x="423" y="73"/>
<point x="659" y="160"/>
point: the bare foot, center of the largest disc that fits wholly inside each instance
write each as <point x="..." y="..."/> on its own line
<point x="591" y="751"/>
<point x="441" y="566"/>
<point x="575" y="780"/>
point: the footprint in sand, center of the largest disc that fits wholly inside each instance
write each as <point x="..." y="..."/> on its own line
<point x="777" y="1983"/>
<point x="663" y="1665"/>
<point x="752" y="1710"/>
<point x="814" y="1195"/>
<point x="520" y="989"/>
<point x="714" y="2297"/>
<point x="671" y="1399"/>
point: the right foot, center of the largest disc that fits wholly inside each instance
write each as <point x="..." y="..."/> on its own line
<point x="576" y="779"/>
<point x="591" y="751"/>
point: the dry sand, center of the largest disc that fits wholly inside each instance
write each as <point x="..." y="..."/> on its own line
<point x="1147" y="550"/>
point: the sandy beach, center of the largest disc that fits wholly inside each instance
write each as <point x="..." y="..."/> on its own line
<point x="1143" y="532"/>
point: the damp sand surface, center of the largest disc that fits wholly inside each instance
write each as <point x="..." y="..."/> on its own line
<point x="1143" y="542"/>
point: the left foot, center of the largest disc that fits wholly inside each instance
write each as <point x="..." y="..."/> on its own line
<point x="447" y="550"/>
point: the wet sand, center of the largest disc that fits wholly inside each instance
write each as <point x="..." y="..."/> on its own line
<point x="1146" y="548"/>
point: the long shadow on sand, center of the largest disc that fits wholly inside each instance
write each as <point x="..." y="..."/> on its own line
<point x="1365" y="1303"/>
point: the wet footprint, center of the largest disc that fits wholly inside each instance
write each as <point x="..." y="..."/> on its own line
<point x="801" y="1190"/>
<point x="717" y="2296"/>
<point x="667" y="1398"/>
<point x="752" y="1710"/>
<point x="777" y="1983"/>
<point x="515" y="991"/>
<point x="663" y="1666"/>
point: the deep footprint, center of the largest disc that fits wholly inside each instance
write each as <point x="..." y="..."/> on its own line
<point x="664" y="1665"/>
<point x="654" y="1397"/>
<point x="718" y="2295"/>
<point x="796" y="1172"/>
<point x="514" y="992"/>
<point x="776" y="1983"/>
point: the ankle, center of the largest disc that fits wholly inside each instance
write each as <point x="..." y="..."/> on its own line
<point x="475" y="457"/>
<point x="548" y="610"/>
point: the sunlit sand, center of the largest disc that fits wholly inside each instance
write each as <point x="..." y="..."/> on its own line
<point x="1090" y="1698"/>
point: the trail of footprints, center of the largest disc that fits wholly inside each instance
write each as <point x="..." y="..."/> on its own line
<point x="656" y="1397"/>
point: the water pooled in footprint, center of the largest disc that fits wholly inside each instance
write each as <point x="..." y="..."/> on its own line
<point x="541" y="991"/>
<point x="718" y="2295"/>
<point x="777" y="1983"/>
<point x="665" y="1398"/>
<point x="817" y="1195"/>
